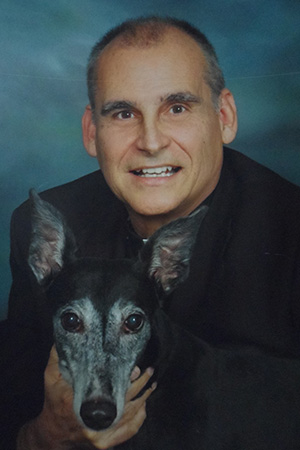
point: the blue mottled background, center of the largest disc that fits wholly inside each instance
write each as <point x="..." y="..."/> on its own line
<point x="43" y="52"/>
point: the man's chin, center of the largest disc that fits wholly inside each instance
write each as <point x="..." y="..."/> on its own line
<point x="147" y="218"/>
<point x="151" y="209"/>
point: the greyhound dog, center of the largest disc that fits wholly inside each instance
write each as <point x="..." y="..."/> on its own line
<point x="108" y="318"/>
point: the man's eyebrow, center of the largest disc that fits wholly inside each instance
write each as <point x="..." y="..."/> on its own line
<point x="108" y="107"/>
<point x="178" y="97"/>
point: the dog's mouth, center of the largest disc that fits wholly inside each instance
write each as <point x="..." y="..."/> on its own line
<point x="151" y="172"/>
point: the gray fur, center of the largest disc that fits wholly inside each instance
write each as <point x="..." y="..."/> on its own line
<point x="98" y="362"/>
<point x="49" y="239"/>
<point x="170" y="248"/>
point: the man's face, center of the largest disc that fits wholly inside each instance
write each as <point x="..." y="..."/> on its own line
<point x="156" y="134"/>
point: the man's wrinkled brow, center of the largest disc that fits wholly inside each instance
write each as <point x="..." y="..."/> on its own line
<point x="182" y="97"/>
<point x="109" y="107"/>
<point x="178" y="97"/>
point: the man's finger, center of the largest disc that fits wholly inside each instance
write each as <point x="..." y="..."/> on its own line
<point x="135" y="373"/>
<point x="138" y="385"/>
<point x="136" y="403"/>
<point x="52" y="373"/>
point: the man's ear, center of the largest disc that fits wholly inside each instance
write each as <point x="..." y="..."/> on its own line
<point x="52" y="243"/>
<point x="89" y="131"/>
<point x="166" y="255"/>
<point x="228" y="116"/>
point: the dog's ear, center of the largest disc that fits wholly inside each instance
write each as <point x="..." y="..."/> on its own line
<point x="52" y="243"/>
<point x="167" y="253"/>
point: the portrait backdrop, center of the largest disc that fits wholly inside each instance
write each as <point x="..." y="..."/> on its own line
<point x="43" y="55"/>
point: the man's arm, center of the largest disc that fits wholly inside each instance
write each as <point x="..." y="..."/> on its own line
<point x="296" y="296"/>
<point x="43" y="425"/>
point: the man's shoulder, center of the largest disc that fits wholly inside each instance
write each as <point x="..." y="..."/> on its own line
<point x="82" y="192"/>
<point x="260" y="201"/>
<point x="78" y="200"/>
<point x="256" y="178"/>
<point x="85" y="190"/>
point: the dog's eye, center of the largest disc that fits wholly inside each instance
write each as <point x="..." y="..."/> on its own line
<point x="133" y="323"/>
<point x="71" y="322"/>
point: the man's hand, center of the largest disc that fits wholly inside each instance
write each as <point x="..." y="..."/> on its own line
<point x="57" y="422"/>
<point x="132" y="419"/>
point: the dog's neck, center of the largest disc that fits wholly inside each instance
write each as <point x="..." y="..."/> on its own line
<point x="169" y="353"/>
<point x="162" y="347"/>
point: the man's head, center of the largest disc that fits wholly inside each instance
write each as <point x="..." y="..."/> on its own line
<point x="150" y="31"/>
<point x="156" y="124"/>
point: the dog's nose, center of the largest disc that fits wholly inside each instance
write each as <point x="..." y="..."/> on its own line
<point x="98" y="414"/>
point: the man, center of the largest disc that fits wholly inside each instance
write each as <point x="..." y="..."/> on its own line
<point x="158" y="118"/>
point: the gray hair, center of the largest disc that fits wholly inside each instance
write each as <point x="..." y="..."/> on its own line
<point x="146" y="31"/>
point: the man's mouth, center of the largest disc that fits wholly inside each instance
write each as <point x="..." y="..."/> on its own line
<point x="165" y="171"/>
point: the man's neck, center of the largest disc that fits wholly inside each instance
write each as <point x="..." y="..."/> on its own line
<point x="145" y="226"/>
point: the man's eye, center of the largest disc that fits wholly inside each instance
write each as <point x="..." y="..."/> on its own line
<point x="124" y="115"/>
<point x="177" y="109"/>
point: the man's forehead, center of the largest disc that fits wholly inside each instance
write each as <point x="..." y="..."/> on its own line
<point x="146" y="36"/>
<point x="170" y="36"/>
<point x="162" y="72"/>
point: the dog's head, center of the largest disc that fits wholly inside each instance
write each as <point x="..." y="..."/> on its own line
<point x="103" y="309"/>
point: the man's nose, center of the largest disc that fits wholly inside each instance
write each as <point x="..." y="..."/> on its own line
<point x="152" y="137"/>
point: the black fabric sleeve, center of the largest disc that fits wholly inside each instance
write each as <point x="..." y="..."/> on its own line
<point x="26" y="339"/>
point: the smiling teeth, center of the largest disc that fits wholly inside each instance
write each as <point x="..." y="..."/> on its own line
<point x="156" y="172"/>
